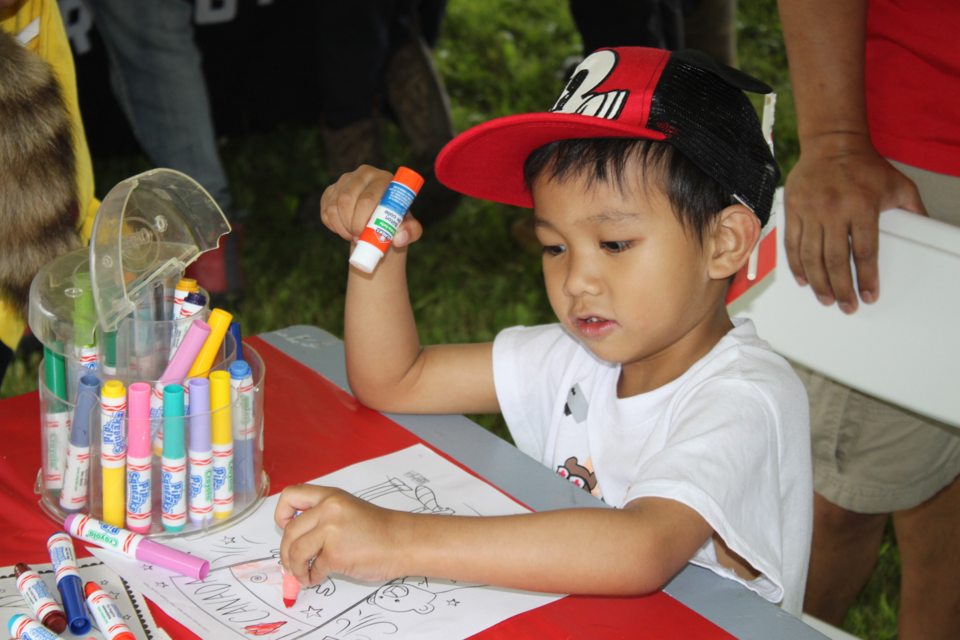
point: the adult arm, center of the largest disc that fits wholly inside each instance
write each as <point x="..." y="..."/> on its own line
<point x="626" y="551"/>
<point x="839" y="186"/>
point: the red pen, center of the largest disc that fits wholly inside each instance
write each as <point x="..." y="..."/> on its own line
<point x="291" y="587"/>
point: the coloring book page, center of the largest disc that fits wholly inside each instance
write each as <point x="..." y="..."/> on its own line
<point x="134" y="610"/>
<point x="242" y="595"/>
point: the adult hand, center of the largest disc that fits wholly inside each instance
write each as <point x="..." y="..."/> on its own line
<point x="339" y="533"/>
<point x="346" y="206"/>
<point x="834" y="197"/>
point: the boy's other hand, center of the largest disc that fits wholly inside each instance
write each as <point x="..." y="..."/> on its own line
<point x="346" y="206"/>
<point x="834" y="197"/>
<point x="339" y="533"/>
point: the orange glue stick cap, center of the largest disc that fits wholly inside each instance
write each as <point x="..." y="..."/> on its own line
<point x="408" y="178"/>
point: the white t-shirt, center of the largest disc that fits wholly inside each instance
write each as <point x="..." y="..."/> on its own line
<point x="730" y="438"/>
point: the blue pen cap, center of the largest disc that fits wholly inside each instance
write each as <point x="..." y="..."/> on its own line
<point x="235" y="332"/>
<point x="239" y="370"/>
<point x="88" y="397"/>
<point x="173" y="422"/>
<point x="74" y="604"/>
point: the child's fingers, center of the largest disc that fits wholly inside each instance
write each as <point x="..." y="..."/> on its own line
<point x="305" y="558"/>
<point x="298" y="497"/>
<point x="409" y="232"/>
<point x="359" y="196"/>
<point x="330" y="213"/>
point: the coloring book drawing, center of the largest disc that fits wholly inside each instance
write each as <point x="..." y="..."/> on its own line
<point x="242" y="596"/>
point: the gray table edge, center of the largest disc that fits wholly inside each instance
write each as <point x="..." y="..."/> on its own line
<point x="732" y="607"/>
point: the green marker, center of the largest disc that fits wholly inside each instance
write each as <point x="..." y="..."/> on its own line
<point x="110" y="353"/>
<point x="84" y="323"/>
<point x="174" y="487"/>
<point x="56" y="422"/>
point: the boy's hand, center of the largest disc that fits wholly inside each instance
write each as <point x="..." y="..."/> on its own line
<point x="347" y="205"/>
<point x="340" y="533"/>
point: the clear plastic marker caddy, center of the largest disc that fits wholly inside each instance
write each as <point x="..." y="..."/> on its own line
<point x="104" y="316"/>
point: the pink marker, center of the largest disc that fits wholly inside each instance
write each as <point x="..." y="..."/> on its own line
<point x="139" y="459"/>
<point x="134" y="545"/>
<point x="175" y="373"/>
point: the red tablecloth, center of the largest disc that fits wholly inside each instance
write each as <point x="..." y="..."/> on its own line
<point x="314" y="428"/>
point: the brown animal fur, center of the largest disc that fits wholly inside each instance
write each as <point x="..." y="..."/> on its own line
<point x="38" y="201"/>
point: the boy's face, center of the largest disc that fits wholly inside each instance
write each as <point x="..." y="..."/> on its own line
<point x="626" y="278"/>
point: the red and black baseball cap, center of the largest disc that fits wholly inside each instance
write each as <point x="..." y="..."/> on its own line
<point x="685" y="98"/>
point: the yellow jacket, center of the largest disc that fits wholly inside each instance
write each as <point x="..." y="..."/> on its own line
<point x="39" y="27"/>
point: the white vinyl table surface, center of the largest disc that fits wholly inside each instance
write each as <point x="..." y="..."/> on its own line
<point x="905" y="348"/>
<point x="732" y="607"/>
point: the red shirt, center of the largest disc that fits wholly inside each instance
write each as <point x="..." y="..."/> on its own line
<point x="913" y="82"/>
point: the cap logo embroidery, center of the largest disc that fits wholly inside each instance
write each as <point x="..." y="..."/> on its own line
<point x="580" y="97"/>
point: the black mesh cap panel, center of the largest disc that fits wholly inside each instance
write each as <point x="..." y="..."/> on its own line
<point x="715" y="125"/>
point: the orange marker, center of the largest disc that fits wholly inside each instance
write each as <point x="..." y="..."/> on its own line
<point x="106" y="614"/>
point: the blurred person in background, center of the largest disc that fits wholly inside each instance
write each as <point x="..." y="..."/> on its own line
<point x="47" y="204"/>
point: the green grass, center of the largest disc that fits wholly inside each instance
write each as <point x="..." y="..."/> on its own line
<point x="467" y="278"/>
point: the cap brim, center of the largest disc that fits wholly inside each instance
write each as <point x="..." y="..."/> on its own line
<point x="487" y="161"/>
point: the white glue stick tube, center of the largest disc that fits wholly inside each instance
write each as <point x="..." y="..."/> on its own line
<point x="386" y="219"/>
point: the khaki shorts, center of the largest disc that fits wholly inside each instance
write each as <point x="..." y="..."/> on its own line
<point x="870" y="456"/>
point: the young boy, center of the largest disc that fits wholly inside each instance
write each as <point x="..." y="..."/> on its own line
<point x="650" y="181"/>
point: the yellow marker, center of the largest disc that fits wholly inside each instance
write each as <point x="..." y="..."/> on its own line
<point x="221" y="435"/>
<point x="113" y="451"/>
<point x="219" y="322"/>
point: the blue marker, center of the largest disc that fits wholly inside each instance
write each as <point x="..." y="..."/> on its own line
<point x="69" y="584"/>
<point x="235" y="332"/>
<point x="244" y="429"/>
<point x="76" y="476"/>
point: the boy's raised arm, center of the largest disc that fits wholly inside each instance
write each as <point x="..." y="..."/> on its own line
<point x="387" y="368"/>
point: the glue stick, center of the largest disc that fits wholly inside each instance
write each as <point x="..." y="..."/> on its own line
<point x="386" y="219"/>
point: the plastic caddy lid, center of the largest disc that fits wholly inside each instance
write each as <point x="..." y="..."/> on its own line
<point x="148" y="229"/>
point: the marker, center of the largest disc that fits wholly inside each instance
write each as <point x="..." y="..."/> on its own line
<point x="134" y="545"/>
<point x="69" y="585"/>
<point x="56" y="427"/>
<point x="139" y="459"/>
<point x="34" y="590"/>
<point x="113" y="451"/>
<point x="169" y="293"/>
<point x="175" y="373"/>
<point x="386" y="219"/>
<point x="184" y="286"/>
<point x="76" y="475"/>
<point x="222" y="439"/>
<point x="291" y="586"/>
<point x="191" y="306"/>
<point x="107" y="614"/>
<point x="20" y="626"/>
<point x="88" y="357"/>
<point x="174" y="461"/>
<point x="219" y="322"/>
<point x="235" y="332"/>
<point x="84" y="320"/>
<point x="110" y="353"/>
<point x="244" y="431"/>
<point x="200" y="453"/>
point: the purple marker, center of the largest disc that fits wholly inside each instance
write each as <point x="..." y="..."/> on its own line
<point x="133" y="545"/>
<point x="175" y="373"/>
<point x="200" y="453"/>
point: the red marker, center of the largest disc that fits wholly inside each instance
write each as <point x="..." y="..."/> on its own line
<point x="34" y="590"/>
<point x="106" y="614"/>
<point x="291" y="587"/>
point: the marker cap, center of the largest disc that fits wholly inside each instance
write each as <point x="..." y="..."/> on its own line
<point x="88" y="398"/>
<point x="173" y="421"/>
<point x="200" y="415"/>
<point x="239" y="370"/>
<point x="71" y="592"/>
<point x="365" y="257"/>
<point x="113" y="389"/>
<point x="168" y="558"/>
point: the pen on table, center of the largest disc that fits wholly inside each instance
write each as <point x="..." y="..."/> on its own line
<point x="175" y="373"/>
<point x="200" y="453"/>
<point x="241" y="397"/>
<point x="26" y="628"/>
<point x="136" y="546"/>
<point x="76" y="474"/>
<point x="219" y="322"/>
<point x="107" y="614"/>
<point x="67" y="575"/>
<point x="34" y="590"/>
<point x="57" y="419"/>
<point x="174" y="462"/>
<point x="139" y="459"/>
<point x="221" y="435"/>
<point x="113" y="451"/>
<point x="291" y="586"/>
